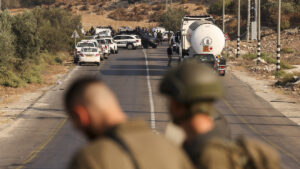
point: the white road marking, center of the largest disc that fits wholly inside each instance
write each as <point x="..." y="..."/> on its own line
<point x="152" y="110"/>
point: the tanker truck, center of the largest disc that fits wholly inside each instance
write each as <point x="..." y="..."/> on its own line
<point x="206" y="42"/>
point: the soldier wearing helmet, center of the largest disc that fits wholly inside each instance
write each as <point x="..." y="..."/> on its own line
<point x="192" y="89"/>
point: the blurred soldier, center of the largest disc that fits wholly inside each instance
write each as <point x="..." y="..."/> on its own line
<point x="115" y="142"/>
<point x="192" y="89"/>
<point x="170" y="53"/>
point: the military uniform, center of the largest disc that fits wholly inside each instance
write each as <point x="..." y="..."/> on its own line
<point x="202" y="156"/>
<point x="131" y="145"/>
<point x="196" y="87"/>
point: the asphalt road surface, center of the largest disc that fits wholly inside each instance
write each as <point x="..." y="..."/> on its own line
<point x="42" y="137"/>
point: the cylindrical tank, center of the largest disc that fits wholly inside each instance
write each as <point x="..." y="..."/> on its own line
<point x="206" y="38"/>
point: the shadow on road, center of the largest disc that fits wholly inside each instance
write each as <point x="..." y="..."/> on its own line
<point x="143" y="59"/>
<point x="131" y="72"/>
<point x="138" y="67"/>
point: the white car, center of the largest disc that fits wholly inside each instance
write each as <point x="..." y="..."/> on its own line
<point x="105" y="47"/>
<point x="165" y="35"/>
<point x="112" y="44"/>
<point x="89" y="55"/>
<point x="128" y="41"/>
<point x="103" y="31"/>
<point x="80" y="45"/>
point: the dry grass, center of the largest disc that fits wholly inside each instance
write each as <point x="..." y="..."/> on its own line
<point x="10" y="94"/>
<point x="89" y="20"/>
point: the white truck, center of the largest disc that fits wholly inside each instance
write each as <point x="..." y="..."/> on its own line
<point x="185" y="24"/>
<point x="205" y="41"/>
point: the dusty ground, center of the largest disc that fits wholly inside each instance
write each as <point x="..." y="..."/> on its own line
<point x="289" y="105"/>
<point x="50" y="77"/>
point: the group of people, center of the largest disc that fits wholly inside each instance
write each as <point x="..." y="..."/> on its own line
<point x="117" y="142"/>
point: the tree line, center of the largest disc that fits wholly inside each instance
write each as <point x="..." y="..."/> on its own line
<point x="30" y="40"/>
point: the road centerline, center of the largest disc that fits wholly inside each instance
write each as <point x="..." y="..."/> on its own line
<point x="152" y="108"/>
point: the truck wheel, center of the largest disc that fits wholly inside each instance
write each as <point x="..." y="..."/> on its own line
<point x="116" y="51"/>
<point x="105" y="56"/>
<point x="154" y="46"/>
<point x="130" y="46"/>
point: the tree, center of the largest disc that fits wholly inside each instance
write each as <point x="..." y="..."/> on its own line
<point x="171" y="20"/>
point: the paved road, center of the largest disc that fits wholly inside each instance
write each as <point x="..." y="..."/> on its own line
<point x="42" y="137"/>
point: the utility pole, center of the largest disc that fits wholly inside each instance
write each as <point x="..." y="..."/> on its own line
<point x="166" y="5"/>
<point x="171" y="4"/>
<point x="223" y="16"/>
<point x="0" y="5"/>
<point x="239" y="29"/>
<point x="248" y="20"/>
<point x="258" y="30"/>
<point x="278" y="36"/>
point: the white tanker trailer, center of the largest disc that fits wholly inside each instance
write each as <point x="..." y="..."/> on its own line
<point x="206" y="44"/>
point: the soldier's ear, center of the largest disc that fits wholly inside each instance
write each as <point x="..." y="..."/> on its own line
<point x="82" y="115"/>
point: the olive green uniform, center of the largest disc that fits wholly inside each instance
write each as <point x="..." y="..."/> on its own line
<point x="197" y="151"/>
<point x="146" y="150"/>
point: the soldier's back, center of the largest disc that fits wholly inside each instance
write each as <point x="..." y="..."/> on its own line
<point x="132" y="146"/>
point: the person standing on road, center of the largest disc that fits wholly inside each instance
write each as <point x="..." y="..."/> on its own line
<point x="115" y="141"/>
<point x="155" y="34"/>
<point x="192" y="89"/>
<point x="170" y="53"/>
<point x="159" y="37"/>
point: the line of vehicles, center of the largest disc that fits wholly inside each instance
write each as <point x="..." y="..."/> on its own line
<point x="101" y="45"/>
<point x="198" y="38"/>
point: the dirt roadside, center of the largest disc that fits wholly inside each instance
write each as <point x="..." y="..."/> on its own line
<point x="288" y="105"/>
<point x="18" y="100"/>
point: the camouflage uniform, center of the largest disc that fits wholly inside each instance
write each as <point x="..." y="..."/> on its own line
<point x="197" y="87"/>
<point x="131" y="146"/>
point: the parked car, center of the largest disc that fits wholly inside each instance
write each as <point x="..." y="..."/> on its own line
<point x="112" y="44"/>
<point x="89" y="55"/>
<point x="148" y="40"/>
<point x="105" y="47"/>
<point x="80" y="45"/>
<point x="128" y="41"/>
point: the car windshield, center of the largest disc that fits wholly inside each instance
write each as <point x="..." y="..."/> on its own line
<point x="108" y="41"/>
<point x="205" y="58"/>
<point x="89" y="49"/>
<point x="85" y="45"/>
<point x="102" y="41"/>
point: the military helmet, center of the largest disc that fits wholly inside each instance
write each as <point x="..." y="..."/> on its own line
<point x="191" y="82"/>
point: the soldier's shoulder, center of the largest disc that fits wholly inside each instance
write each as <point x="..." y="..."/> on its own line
<point x="103" y="143"/>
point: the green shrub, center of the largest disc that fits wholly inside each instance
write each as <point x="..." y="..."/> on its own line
<point x="30" y="41"/>
<point x="285" y="77"/>
<point x="249" y="56"/>
<point x="287" y="50"/>
<point x="9" y="78"/>
<point x="269" y="59"/>
<point x="171" y="20"/>
<point x="285" y="65"/>
<point x="58" y="60"/>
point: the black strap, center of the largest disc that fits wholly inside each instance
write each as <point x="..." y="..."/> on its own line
<point x="121" y="143"/>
